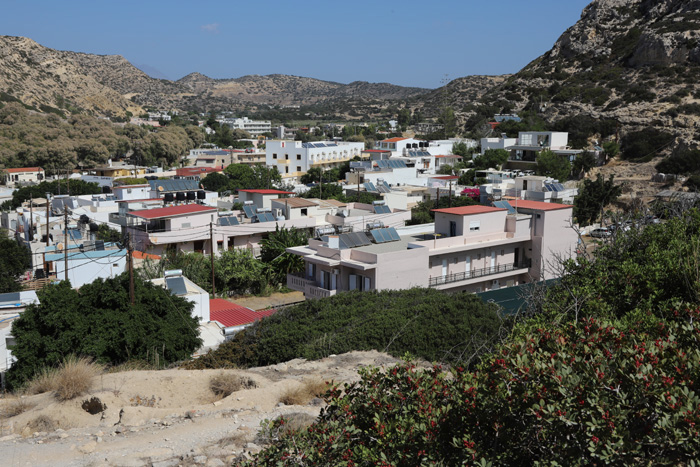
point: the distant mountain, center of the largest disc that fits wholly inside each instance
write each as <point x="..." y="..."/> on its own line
<point x="636" y="61"/>
<point x="109" y="85"/>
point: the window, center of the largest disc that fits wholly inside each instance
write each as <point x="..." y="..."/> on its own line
<point x="286" y="170"/>
<point x="304" y="211"/>
<point x="298" y="168"/>
<point x="286" y="156"/>
<point x="478" y="257"/>
<point x="274" y="155"/>
<point x="474" y="226"/>
<point x="503" y="252"/>
<point x="298" y="157"/>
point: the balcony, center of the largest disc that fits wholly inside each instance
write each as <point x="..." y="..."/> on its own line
<point x="300" y="283"/>
<point x="473" y="274"/>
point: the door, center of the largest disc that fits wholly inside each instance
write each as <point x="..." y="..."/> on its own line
<point x="366" y="283"/>
<point x="468" y="265"/>
<point x="334" y="281"/>
<point x="453" y="229"/>
<point x="493" y="259"/>
<point x="444" y="267"/>
<point x="353" y="282"/>
<point x="516" y="258"/>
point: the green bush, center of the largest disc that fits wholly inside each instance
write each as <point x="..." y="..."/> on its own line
<point x="424" y="322"/>
<point x="99" y="322"/>
<point x="680" y="162"/>
<point x="643" y="145"/>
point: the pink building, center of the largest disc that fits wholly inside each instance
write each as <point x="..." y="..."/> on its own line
<point x="472" y="248"/>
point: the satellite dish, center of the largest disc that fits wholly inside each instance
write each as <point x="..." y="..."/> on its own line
<point x="160" y="187"/>
<point x="59" y="246"/>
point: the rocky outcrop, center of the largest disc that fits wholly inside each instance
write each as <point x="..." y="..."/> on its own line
<point x="635" y="61"/>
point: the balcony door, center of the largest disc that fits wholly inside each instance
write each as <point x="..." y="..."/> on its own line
<point x="468" y="264"/>
<point x="444" y="267"/>
<point x="493" y="259"/>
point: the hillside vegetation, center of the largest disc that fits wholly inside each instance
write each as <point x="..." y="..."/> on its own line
<point x="607" y="371"/>
<point x="424" y="323"/>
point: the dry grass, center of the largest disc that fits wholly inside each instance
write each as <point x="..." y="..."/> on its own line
<point x="225" y="384"/>
<point x="303" y="394"/>
<point x="41" y="423"/>
<point x="70" y="380"/>
<point x="15" y="407"/>
<point x="295" y="422"/>
<point x="74" y="377"/>
<point x="44" y="381"/>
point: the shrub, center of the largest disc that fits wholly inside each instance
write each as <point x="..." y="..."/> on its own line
<point x="425" y="322"/>
<point x="74" y="377"/>
<point x="225" y="384"/>
<point x="304" y="393"/>
<point x="584" y="393"/>
<point x="680" y="162"/>
<point x="44" y="381"/>
<point x="14" y="407"/>
<point x="42" y="423"/>
<point x="645" y="144"/>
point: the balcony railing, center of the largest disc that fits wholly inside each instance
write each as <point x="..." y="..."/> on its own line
<point x="474" y="273"/>
<point x="298" y="282"/>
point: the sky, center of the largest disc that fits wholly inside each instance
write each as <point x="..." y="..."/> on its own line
<point x="409" y="43"/>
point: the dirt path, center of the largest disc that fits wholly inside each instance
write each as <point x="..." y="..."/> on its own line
<point x="276" y="299"/>
<point x="165" y="418"/>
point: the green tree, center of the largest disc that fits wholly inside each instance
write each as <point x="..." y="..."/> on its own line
<point x="593" y="197"/>
<point x="583" y="163"/>
<point x="449" y="121"/>
<point x="551" y="165"/>
<point x="99" y="322"/>
<point x="15" y="260"/>
<point x="216" y="181"/>
<point x="108" y="234"/>
<point x="273" y="252"/>
<point x="461" y="149"/>
<point x="238" y="271"/>
<point x="76" y="187"/>
<point x="491" y="159"/>
<point x="611" y="149"/>
<point x="313" y="175"/>
<point x="446" y="169"/>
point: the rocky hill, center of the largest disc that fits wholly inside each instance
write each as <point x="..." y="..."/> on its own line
<point x="109" y="85"/>
<point x="51" y="80"/>
<point x="636" y="61"/>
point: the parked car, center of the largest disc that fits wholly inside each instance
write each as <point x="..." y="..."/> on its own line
<point x="601" y="232"/>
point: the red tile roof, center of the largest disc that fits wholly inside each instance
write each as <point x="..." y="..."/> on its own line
<point x="445" y="177"/>
<point x="172" y="211"/>
<point x="24" y="169"/>
<point x="230" y="314"/>
<point x="449" y="156"/>
<point x="468" y="210"/>
<point x="538" y="205"/>
<point x="393" y="140"/>
<point x="269" y="192"/>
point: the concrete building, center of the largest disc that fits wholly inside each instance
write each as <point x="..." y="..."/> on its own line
<point x="22" y="176"/>
<point x="294" y="158"/>
<point x="86" y="266"/>
<point x="471" y="248"/>
<point x="530" y="143"/>
<point x="254" y="127"/>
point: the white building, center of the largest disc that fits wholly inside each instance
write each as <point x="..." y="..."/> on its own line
<point x="530" y="143"/>
<point x="86" y="266"/>
<point x="22" y="176"/>
<point x="254" y="127"/>
<point x="294" y="158"/>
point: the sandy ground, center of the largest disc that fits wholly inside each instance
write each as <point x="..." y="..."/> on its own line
<point x="164" y="418"/>
<point x="263" y="303"/>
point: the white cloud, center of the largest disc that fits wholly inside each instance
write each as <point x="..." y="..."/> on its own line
<point x="212" y="28"/>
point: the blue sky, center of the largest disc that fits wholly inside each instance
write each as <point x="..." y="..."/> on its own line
<point x="410" y="43"/>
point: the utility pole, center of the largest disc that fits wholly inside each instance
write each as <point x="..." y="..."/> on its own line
<point x="48" y="203"/>
<point x="211" y="240"/>
<point x="130" y="252"/>
<point x="437" y="203"/>
<point x="65" y="241"/>
<point x="450" y="193"/>
<point x="31" y="218"/>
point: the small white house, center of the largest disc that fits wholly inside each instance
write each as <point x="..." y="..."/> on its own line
<point x="23" y="176"/>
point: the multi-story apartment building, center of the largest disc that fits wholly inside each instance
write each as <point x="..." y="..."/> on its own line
<point x="294" y="158"/>
<point x="254" y="127"/>
<point x="472" y="248"/>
